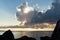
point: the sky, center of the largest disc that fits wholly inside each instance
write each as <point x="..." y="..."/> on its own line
<point x="8" y="9"/>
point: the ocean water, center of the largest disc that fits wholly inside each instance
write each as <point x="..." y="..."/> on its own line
<point x="34" y="34"/>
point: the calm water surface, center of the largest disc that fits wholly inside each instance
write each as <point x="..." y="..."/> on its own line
<point x="34" y="34"/>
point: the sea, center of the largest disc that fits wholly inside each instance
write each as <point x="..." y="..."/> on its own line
<point x="34" y="34"/>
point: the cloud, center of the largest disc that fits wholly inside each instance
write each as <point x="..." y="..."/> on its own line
<point x="49" y="7"/>
<point x="32" y="16"/>
<point x="24" y="13"/>
<point x="37" y="7"/>
<point x="50" y="16"/>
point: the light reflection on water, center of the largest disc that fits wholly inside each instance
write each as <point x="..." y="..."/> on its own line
<point x="34" y="34"/>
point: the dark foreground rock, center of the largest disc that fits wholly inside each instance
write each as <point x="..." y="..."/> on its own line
<point x="55" y="35"/>
<point x="56" y="32"/>
<point x="26" y="38"/>
<point x="7" y="36"/>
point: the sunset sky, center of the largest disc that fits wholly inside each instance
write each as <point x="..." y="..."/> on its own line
<point x="8" y="9"/>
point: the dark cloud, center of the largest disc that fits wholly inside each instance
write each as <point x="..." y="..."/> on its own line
<point x="50" y="16"/>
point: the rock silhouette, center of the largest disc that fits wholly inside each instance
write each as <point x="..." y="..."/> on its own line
<point x="26" y="38"/>
<point x="7" y="36"/>
<point x="23" y="38"/>
<point x="56" y="32"/>
<point x="55" y="35"/>
<point x="32" y="38"/>
<point x="45" y="38"/>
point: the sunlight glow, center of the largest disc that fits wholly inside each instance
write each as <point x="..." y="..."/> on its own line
<point x="27" y="10"/>
<point x="27" y="29"/>
<point x="19" y="10"/>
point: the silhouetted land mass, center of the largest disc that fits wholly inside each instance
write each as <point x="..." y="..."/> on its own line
<point x="45" y="38"/>
<point x="56" y="32"/>
<point x="26" y="38"/>
<point x="8" y="35"/>
<point x="55" y="35"/>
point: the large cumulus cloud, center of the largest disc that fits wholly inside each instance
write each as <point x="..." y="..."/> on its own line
<point x="32" y="16"/>
<point x="25" y="13"/>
